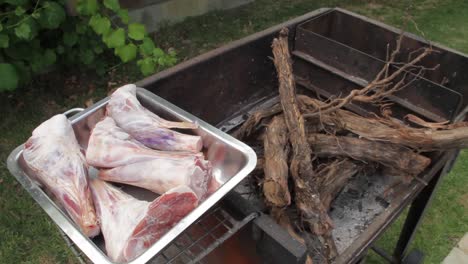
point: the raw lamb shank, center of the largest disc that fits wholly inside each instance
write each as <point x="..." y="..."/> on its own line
<point x="53" y="153"/>
<point x="131" y="226"/>
<point x="132" y="163"/>
<point x="147" y="127"/>
<point x="161" y="174"/>
<point x="109" y="146"/>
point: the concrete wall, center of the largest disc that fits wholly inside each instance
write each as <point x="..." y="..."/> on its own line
<point x="152" y="12"/>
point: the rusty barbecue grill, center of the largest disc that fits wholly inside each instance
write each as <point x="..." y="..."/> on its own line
<point x="334" y="51"/>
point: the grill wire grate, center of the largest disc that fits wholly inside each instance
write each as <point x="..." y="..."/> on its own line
<point x="201" y="238"/>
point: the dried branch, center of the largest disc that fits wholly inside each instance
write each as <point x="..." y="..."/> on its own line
<point x="275" y="184"/>
<point x="380" y="87"/>
<point x="377" y="129"/>
<point x="249" y="126"/>
<point x="418" y="121"/>
<point x="390" y="155"/>
<point x="307" y="197"/>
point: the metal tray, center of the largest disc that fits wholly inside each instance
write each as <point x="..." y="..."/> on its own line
<point x="232" y="161"/>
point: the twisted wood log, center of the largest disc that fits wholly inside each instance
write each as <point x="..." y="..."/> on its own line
<point x="275" y="184"/>
<point x="307" y="197"/>
<point x="387" y="154"/>
<point x="249" y="126"/>
<point x="455" y="136"/>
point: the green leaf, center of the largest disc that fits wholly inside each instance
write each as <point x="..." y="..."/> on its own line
<point x="127" y="52"/>
<point x="60" y="49"/>
<point x="1" y="27"/>
<point x="37" y="61"/>
<point x="87" y="7"/>
<point x="52" y="15"/>
<point x="49" y="57"/>
<point x="19" y="11"/>
<point x="147" y="66"/>
<point x="9" y="77"/>
<point x="115" y="39"/>
<point x="147" y="47"/>
<point x="112" y="5"/>
<point x="136" y="31"/>
<point x="86" y="56"/>
<point x="81" y="28"/>
<point x="70" y="38"/>
<point x="172" y="61"/>
<point x="161" y="61"/>
<point x="23" y="31"/>
<point x="36" y="15"/>
<point x="27" y="30"/>
<point x="123" y="14"/>
<point x="99" y="24"/>
<point x="23" y="70"/>
<point x="157" y="52"/>
<point x="4" y="41"/>
<point x="172" y="52"/>
<point x="98" y="49"/>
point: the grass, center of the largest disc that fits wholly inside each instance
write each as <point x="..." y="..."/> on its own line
<point x="28" y="236"/>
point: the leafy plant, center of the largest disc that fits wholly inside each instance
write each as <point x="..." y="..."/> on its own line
<point x="37" y="34"/>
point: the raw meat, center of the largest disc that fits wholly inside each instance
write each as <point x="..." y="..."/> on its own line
<point x="131" y="226"/>
<point x="109" y="146"/>
<point x="161" y="174"/>
<point x="147" y="127"/>
<point x="53" y="153"/>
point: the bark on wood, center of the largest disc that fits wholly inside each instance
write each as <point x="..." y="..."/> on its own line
<point x="250" y="125"/>
<point x="387" y="154"/>
<point x="307" y="197"/>
<point x="332" y="178"/>
<point x="275" y="185"/>
<point x="375" y="129"/>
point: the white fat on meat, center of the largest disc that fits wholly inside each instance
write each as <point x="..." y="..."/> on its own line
<point x="131" y="226"/>
<point x="161" y="174"/>
<point x="109" y="146"/>
<point x="53" y="154"/>
<point x="147" y="127"/>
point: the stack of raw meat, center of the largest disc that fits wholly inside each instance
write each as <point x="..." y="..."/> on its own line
<point x="131" y="145"/>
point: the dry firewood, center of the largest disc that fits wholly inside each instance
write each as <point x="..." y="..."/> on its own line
<point x="383" y="85"/>
<point x="332" y="177"/>
<point x="275" y="184"/>
<point x="387" y="154"/>
<point x="434" y="125"/>
<point x="418" y="121"/>
<point x="417" y="138"/>
<point x="307" y="197"/>
<point x="376" y="129"/>
<point x="250" y="125"/>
